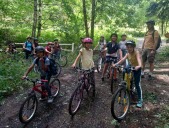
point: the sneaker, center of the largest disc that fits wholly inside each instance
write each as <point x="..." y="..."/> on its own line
<point x="142" y="74"/>
<point x="50" y="99"/>
<point x="42" y="98"/>
<point x="102" y="78"/>
<point x="139" y="104"/>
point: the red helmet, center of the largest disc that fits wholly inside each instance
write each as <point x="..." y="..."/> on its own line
<point x="87" y="40"/>
<point x="50" y="43"/>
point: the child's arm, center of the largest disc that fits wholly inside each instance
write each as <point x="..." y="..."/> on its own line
<point x="76" y="60"/>
<point x="120" y="53"/>
<point x="138" y="60"/>
<point x="28" y="70"/>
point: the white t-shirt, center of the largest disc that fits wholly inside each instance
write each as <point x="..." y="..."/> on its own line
<point x="101" y="44"/>
<point x="87" y="58"/>
<point x="122" y="45"/>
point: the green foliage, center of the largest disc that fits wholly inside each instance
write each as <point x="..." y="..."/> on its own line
<point x="163" y="118"/>
<point x="11" y="72"/>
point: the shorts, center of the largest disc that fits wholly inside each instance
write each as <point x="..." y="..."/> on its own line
<point x="148" y="55"/>
<point x="110" y="59"/>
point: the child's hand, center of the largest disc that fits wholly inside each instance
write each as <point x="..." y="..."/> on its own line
<point x="73" y="65"/>
<point x="23" y="77"/>
<point x="113" y="65"/>
<point x="137" y="67"/>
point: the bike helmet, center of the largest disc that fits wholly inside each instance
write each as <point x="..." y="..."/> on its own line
<point x="39" y="49"/>
<point x="87" y="40"/>
<point x="50" y="43"/>
<point x="151" y="22"/>
<point x="130" y="42"/>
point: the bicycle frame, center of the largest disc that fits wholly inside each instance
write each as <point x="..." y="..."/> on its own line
<point x="40" y="83"/>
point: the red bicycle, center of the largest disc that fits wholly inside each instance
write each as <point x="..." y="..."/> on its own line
<point x="84" y="83"/>
<point x="29" y="106"/>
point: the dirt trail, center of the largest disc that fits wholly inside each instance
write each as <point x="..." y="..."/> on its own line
<point x="91" y="114"/>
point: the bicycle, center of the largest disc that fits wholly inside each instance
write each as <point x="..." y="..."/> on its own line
<point x="121" y="100"/>
<point x="29" y="106"/>
<point x="114" y="74"/>
<point x="61" y="59"/>
<point x="84" y="83"/>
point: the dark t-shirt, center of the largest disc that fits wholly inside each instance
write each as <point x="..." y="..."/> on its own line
<point x="112" y="48"/>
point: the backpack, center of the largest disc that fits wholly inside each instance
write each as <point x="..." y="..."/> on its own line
<point x="52" y="66"/>
<point x="159" y="39"/>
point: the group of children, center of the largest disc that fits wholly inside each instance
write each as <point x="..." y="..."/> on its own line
<point x="126" y="50"/>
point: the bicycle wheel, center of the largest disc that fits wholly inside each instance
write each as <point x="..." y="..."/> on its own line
<point x="28" y="109"/>
<point x="55" y="87"/>
<point x="75" y="100"/>
<point x="62" y="60"/>
<point x="120" y="104"/>
<point x="59" y="69"/>
<point x="115" y="82"/>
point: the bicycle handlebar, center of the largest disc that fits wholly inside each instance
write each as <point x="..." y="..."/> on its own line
<point x="83" y="70"/>
<point x="121" y="66"/>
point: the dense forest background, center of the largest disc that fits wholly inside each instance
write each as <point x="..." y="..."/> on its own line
<point x="68" y="20"/>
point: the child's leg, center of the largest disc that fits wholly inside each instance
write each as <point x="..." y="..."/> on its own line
<point x="137" y="75"/>
<point x="47" y="77"/>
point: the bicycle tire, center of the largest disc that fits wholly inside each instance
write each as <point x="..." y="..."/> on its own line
<point x="123" y="98"/>
<point x="55" y="87"/>
<point x="59" y="69"/>
<point x="78" y="93"/>
<point x="62" y="61"/>
<point x="24" y="118"/>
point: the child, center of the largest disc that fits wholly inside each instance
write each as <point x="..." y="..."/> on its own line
<point x="122" y="44"/>
<point x="86" y="55"/>
<point x="11" y="48"/>
<point x="28" y="47"/>
<point x="133" y="57"/>
<point x="48" y="49"/>
<point x="56" y="48"/>
<point x="43" y="66"/>
<point x="112" y="49"/>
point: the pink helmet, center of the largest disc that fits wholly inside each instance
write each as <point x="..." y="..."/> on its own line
<point x="87" y="40"/>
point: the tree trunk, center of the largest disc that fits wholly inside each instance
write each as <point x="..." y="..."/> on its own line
<point x="39" y="19"/>
<point x="34" y="19"/>
<point x="162" y="27"/>
<point x="85" y="18"/>
<point x="93" y="18"/>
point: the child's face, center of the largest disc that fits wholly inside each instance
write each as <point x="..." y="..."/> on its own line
<point x="123" y="37"/>
<point x="39" y="54"/>
<point x="130" y="48"/>
<point x="114" y="38"/>
<point x="87" y="45"/>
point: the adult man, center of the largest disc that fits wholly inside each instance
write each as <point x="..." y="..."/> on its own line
<point x="149" y="47"/>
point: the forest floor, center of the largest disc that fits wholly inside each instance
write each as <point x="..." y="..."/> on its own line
<point x="96" y="114"/>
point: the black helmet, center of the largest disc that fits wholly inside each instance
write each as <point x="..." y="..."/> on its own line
<point x="151" y="22"/>
<point x="130" y="42"/>
<point x="39" y="49"/>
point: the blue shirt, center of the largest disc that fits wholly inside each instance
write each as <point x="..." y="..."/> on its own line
<point x="28" y="45"/>
<point x="112" y="47"/>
